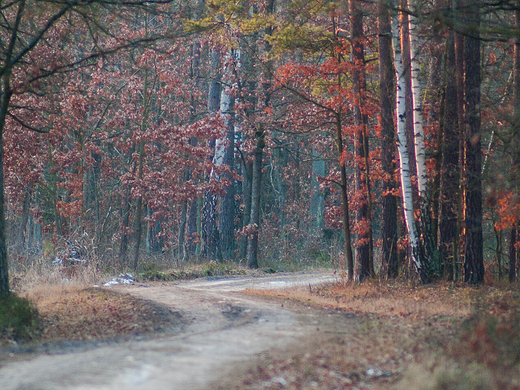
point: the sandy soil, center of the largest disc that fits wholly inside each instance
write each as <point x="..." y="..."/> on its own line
<point x="222" y="329"/>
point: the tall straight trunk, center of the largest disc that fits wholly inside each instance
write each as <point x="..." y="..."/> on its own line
<point x="125" y="225"/>
<point x="344" y="198"/>
<point x="209" y="207"/>
<point x="224" y="155"/>
<point x="418" y="131"/>
<point x="515" y="150"/>
<point x="408" y="96"/>
<point x="4" y="264"/>
<point x="256" y="188"/>
<point x="139" y="205"/>
<point x="362" y="177"/>
<point x="25" y="216"/>
<point x="181" y="247"/>
<point x="404" y="164"/>
<point x="473" y="259"/>
<point x="389" y="259"/>
<point x="450" y="174"/>
<point x="247" y="176"/>
<point x="317" y="203"/>
<point x="192" y="216"/>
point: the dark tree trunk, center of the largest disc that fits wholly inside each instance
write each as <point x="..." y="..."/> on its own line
<point x="344" y="200"/>
<point x="123" y="248"/>
<point x="226" y="219"/>
<point x="450" y="175"/>
<point x="473" y="259"/>
<point x="513" y="254"/>
<point x="362" y="184"/>
<point x="181" y="248"/>
<point x="25" y="217"/>
<point x="247" y="175"/>
<point x="4" y="263"/>
<point x="515" y="150"/>
<point x="209" y="206"/>
<point x="256" y="188"/>
<point x="389" y="259"/>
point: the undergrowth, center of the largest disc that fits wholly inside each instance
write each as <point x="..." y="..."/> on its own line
<point x="153" y="272"/>
<point x="19" y="319"/>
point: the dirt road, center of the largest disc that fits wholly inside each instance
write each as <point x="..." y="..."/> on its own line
<point x="222" y="328"/>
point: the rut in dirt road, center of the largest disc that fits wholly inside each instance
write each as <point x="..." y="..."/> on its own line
<point x="223" y="329"/>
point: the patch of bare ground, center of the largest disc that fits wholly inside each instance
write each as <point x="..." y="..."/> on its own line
<point x="438" y="336"/>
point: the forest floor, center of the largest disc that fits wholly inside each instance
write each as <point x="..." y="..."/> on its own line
<point x="286" y="331"/>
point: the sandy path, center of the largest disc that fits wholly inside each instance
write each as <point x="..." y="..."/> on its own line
<point x="224" y="328"/>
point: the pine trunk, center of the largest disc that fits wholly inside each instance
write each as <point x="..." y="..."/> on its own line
<point x="256" y="188"/>
<point x="450" y="174"/>
<point x="473" y="259"/>
<point x="389" y="259"/>
<point x="362" y="184"/>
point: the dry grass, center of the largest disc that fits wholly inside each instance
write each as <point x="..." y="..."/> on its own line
<point x="71" y="309"/>
<point x="439" y="336"/>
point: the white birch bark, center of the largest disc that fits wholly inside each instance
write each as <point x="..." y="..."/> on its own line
<point x="416" y="102"/>
<point x="226" y="107"/>
<point x="404" y="164"/>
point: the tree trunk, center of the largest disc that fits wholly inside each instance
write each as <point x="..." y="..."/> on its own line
<point x="362" y="178"/>
<point x="225" y="156"/>
<point x="317" y="203"/>
<point x="4" y="264"/>
<point x="389" y="259"/>
<point x="406" y="184"/>
<point x="473" y="259"/>
<point x="450" y="174"/>
<point x="256" y="188"/>
<point x="139" y="205"/>
<point x="209" y="207"/>
<point x="515" y="146"/>
<point x="181" y="248"/>
<point x="247" y="176"/>
<point x="344" y="200"/>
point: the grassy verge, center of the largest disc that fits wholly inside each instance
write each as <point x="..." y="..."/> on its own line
<point x="408" y="337"/>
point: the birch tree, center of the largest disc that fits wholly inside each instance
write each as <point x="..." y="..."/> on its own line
<point x="404" y="165"/>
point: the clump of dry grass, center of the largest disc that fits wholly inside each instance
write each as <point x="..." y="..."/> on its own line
<point x="70" y="308"/>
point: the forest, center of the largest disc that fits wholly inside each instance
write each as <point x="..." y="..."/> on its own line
<point x="379" y="137"/>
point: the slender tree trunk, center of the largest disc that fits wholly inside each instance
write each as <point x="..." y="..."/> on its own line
<point x="473" y="259"/>
<point x="317" y="202"/>
<point x="181" y="248"/>
<point x="389" y="259"/>
<point x="515" y="150"/>
<point x="209" y="207"/>
<point x="256" y="188"/>
<point x="513" y="254"/>
<point x="225" y="156"/>
<point x="362" y="179"/>
<point x="4" y="264"/>
<point x="139" y="205"/>
<point x="344" y="200"/>
<point x="450" y="174"/>
<point x="406" y="184"/>
<point x="25" y="216"/>
<point x="247" y="175"/>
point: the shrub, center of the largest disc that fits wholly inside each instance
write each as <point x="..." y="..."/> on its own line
<point x="19" y="319"/>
